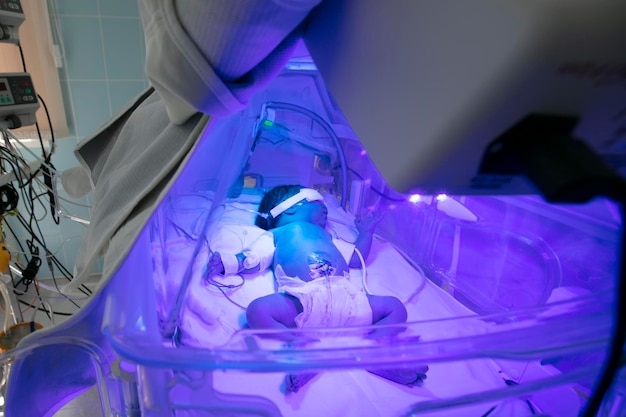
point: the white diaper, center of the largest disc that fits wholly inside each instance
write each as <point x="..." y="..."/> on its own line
<point x="327" y="302"/>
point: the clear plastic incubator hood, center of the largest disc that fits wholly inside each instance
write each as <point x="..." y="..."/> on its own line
<point x="510" y="299"/>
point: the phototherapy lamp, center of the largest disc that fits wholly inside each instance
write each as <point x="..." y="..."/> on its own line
<point x="479" y="97"/>
<point x="435" y="90"/>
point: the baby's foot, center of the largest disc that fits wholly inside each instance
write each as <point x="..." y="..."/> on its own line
<point x="293" y="382"/>
<point x="406" y="376"/>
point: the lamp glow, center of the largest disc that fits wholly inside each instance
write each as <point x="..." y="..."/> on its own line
<point x="415" y="198"/>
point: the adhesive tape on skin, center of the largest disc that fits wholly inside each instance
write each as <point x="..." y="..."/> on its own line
<point x="250" y="260"/>
<point x="307" y="194"/>
<point x="231" y="263"/>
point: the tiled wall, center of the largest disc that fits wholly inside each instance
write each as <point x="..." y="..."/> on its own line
<point x="103" y="58"/>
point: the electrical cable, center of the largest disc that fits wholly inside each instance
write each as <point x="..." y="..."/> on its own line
<point x="34" y="262"/>
<point x="39" y="240"/>
<point x="44" y="286"/>
<point x="32" y="303"/>
<point x="46" y="157"/>
<point x="47" y="175"/>
<point x="15" y="151"/>
<point x="58" y="313"/>
<point x="47" y="169"/>
<point x="51" y="314"/>
<point x="222" y="287"/>
<point x="56" y="285"/>
<point x="65" y="271"/>
<point x="38" y="295"/>
<point x="13" y="233"/>
<point x="9" y="198"/>
<point x="52" y="137"/>
<point x="10" y="156"/>
<point x="29" y="272"/>
<point x="51" y="258"/>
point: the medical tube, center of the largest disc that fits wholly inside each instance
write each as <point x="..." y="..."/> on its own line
<point x="330" y="132"/>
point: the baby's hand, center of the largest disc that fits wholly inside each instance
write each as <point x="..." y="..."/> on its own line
<point x="214" y="266"/>
<point x="367" y="223"/>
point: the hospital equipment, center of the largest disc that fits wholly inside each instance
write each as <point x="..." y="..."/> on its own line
<point x="11" y="17"/>
<point x="509" y="297"/>
<point x="18" y="100"/>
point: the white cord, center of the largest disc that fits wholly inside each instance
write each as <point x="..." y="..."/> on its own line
<point x="46" y="307"/>
<point x="231" y="206"/>
<point x="419" y="287"/>
<point x="363" y="271"/>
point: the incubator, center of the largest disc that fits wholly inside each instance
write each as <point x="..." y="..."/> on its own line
<point x="509" y="298"/>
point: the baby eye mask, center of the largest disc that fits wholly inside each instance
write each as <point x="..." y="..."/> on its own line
<point x="307" y="194"/>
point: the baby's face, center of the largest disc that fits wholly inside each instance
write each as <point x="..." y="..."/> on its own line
<point x="312" y="212"/>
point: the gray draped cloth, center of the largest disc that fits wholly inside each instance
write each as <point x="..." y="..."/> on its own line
<point x="130" y="175"/>
<point x="200" y="61"/>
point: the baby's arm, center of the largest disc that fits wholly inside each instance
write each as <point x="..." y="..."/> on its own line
<point x="257" y="257"/>
<point x="365" y="226"/>
<point x="216" y="266"/>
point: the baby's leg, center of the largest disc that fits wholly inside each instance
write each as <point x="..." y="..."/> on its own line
<point x="278" y="311"/>
<point x="390" y="310"/>
<point x="274" y="311"/>
<point x="387" y="309"/>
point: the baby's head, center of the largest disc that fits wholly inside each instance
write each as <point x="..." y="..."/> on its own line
<point x="287" y="203"/>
